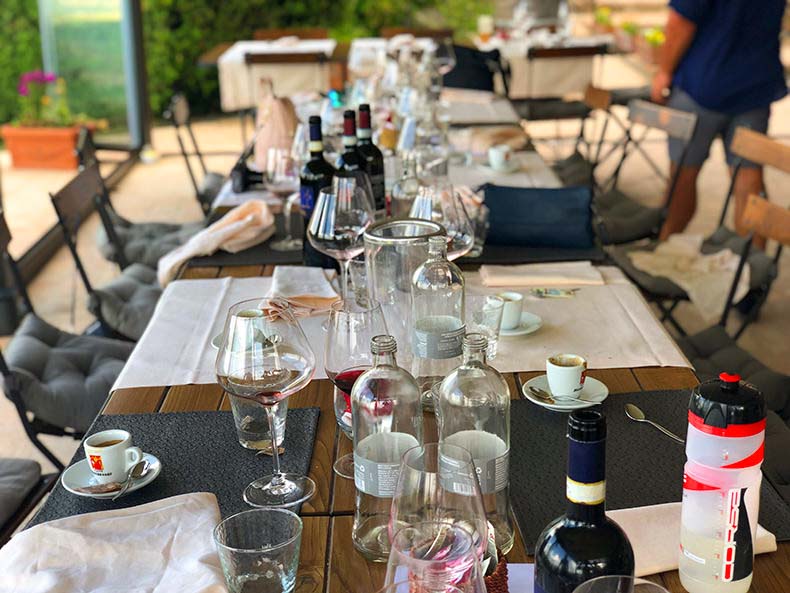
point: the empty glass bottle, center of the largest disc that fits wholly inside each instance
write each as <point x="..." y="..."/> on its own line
<point x="438" y="317"/>
<point x="406" y="187"/>
<point x="473" y="411"/>
<point x="387" y="421"/>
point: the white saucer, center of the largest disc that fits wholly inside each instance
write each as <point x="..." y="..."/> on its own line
<point x="530" y="323"/>
<point x="593" y="392"/>
<point x="79" y="475"/>
<point x="513" y="167"/>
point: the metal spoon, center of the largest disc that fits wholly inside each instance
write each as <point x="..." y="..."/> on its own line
<point x="552" y="399"/>
<point x="138" y="471"/>
<point x="636" y="414"/>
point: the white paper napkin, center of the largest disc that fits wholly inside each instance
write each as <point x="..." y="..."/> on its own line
<point x="307" y="289"/>
<point x="580" y="273"/>
<point x="160" y="547"/>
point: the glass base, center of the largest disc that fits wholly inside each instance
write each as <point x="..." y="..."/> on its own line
<point x="293" y="491"/>
<point x="344" y="467"/>
<point x="287" y="245"/>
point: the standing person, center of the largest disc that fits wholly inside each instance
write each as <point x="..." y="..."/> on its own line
<point x="721" y="62"/>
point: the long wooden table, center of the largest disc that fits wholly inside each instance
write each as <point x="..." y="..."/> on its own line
<point x="328" y="561"/>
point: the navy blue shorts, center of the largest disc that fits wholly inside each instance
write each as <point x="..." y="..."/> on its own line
<point x="711" y="124"/>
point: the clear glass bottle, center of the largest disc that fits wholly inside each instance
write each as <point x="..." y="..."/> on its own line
<point x="387" y="421"/>
<point x="473" y="411"/>
<point x="438" y="317"/>
<point x="405" y="189"/>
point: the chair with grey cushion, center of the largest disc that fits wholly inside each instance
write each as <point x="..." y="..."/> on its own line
<point x="763" y="267"/>
<point x="124" y="306"/>
<point x="22" y="487"/>
<point x="125" y="242"/>
<point x="178" y="114"/>
<point x="56" y="380"/>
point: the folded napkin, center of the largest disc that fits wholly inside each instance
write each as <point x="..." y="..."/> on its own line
<point x="160" y="547"/>
<point x="549" y="274"/>
<point x="306" y="289"/>
<point x="654" y="533"/>
<point x="478" y="139"/>
<point x="706" y="278"/>
<point x="455" y="95"/>
<point x="246" y="225"/>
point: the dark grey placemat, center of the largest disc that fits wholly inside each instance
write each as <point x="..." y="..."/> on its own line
<point x="261" y="254"/>
<point x="643" y="467"/>
<point x="519" y="254"/>
<point x="199" y="452"/>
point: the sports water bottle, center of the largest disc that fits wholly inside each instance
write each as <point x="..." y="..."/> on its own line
<point x="721" y="486"/>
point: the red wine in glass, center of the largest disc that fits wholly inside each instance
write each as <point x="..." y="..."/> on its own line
<point x="344" y="381"/>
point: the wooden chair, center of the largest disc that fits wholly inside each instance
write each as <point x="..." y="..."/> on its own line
<point x="300" y="32"/>
<point x="390" y="32"/>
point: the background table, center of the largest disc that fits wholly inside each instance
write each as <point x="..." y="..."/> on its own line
<point x="328" y="561"/>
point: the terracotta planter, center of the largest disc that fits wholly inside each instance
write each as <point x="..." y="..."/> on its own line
<point x="41" y="147"/>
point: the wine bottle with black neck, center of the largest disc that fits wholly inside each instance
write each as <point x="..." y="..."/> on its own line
<point x="372" y="159"/>
<point x="350" y="163"/>
<point x="583" y="543"/>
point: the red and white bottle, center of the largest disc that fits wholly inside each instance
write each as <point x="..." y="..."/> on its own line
<point x="721" y="486"/>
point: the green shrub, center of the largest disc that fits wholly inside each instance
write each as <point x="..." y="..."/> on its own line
<point x="20" y="50"/>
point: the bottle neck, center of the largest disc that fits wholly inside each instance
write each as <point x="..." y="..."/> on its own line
<point x="364" y="136"/>
<point x="316" y="148"/>
<point x="384" y="359"/>
<point x="349" y="142"/>
<point x="474" y="355"/>
<point x="586" y="481"/>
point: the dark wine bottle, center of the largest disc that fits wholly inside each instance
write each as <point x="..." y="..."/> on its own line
<point x="372" y="159"/>
<point x="583" y="543"/>
<point x="316" y="174"/>
<point x="350" y="162"/>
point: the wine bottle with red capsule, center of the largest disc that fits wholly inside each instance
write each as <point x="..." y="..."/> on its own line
<point x="721" y="486"/>
<point x="372" y="158"/>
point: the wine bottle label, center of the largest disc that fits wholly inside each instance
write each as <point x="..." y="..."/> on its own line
<point x="316" y="146"/>
<point x="586" y="482"/>
<point x="377" y="462"/>
<point x="349" y="140"/>
<point x="306" y="199"/>
<point x="364" y="133"/>
<point x="438" y="337"/>
<point x="491" y="456"/>
<point x="581" y="493"/>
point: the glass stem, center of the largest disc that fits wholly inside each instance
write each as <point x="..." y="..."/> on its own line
<point x="277" y="476"/>
<point x="344" y="265"/>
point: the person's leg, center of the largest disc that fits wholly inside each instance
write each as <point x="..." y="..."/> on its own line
<point x="750" y="176"/>
<point x="683" y="204"/>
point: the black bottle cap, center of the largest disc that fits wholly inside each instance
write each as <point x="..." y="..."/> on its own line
<point x="314" y="125"/>
<point x="727" y="400"/>
<point x="587" y="426"/>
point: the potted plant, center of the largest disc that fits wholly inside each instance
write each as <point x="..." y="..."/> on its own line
<point x="625" y="36"/>
<point x="603" y="20"/>
<point x="45" y="134"/>
<point x="649" y="45"/>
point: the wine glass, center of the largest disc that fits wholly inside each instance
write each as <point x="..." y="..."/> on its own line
<point x="439" y="554"/>
<point x="440" y="203"/>
<point x="619" y="584"/>
<point x="265" y="357"/>
<point x="415" y="584"/>
<point x="437" y="482"/>
<point x="300" y="147"/>
<point x="289" y="242"/>
<point x="347" y="355"/>
<point x="444" y="55"/>
<point x="340" y="218"/>
<point x="281" y="172"/>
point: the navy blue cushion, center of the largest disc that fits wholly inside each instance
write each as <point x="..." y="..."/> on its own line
<point x="537" y="217"/>
<point x="474" y="69"/>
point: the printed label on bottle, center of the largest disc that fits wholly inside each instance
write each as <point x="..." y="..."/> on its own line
<point x="438" y="337"/>
<point x="581" y="493"/>
<point x="586" y="479"/>
<point x="377" y="462"/>
<point x="491" y="456"/>
<point x="306" y="199"/>
<point x="315" y="146"/>
<point x="453" y="475"/>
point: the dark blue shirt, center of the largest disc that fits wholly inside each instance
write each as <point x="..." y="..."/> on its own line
<point x="732" y="65"/>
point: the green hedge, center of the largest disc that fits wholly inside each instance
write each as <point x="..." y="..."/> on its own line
<point x="20" y="50"/>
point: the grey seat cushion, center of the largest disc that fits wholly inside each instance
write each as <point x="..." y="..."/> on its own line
<point x="145" y="243"/>
<point x="127" y="302"/>
<point x="713" y="351"/>
<point x="658" y="286"/>
<point x="625" y="220"/>
<point x="574" y="170"/>
<point x="17" y="478"/>
<point x="64" y="378"/>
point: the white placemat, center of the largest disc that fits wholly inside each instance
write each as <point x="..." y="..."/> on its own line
<point x="611" y="325"/>
<point x="498" y="111"/>
<point x="532" y="172"/>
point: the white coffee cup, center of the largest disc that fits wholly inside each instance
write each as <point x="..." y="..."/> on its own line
<point x="110" y="455"/>
<point x="511" y="313"/>
<point x="566" y="374"/>
<point x="499" y="157"/>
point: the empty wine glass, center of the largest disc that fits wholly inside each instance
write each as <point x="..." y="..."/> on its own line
<point x="281" y="172"/>
<point x="440" y="203"/>
<point x="339" y="220"/>
<point x="437" y="482"/>
<point x="347" y="355"/>
<point x="439" y="554"/>
<point x="265" y="357"/>
<point x="445" y="56"/>
<point x="300" y="147"/>
<point x="291" y="211"/>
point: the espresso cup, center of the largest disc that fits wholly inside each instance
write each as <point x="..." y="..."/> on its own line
<point x="110" y="455"/>
<point x="566" y="374"/>
<point x="511" y="312"/>
<point x="499" y="157"/>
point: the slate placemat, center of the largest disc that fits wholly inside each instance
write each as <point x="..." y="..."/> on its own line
<point x="261" y="254"/>
<point x="199" y="452"/>
<point x="643" y="467"/>
<point x="518" y="254"/>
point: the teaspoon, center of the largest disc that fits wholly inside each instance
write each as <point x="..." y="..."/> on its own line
<point x="636" y="414"/>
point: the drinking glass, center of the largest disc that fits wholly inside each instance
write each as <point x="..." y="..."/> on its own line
<point x="346" y="357"/>
<point x="445" y="56"/>
<point x="281" y="172"/>
<point x="358" y="275"/>
<point x="252" y="424"/>
<point x="265" y="357"/>
<point x="480" y="224"/>
<point x="484" y="316"/>
<point x="440" y="203"/>
<point x="259" y="550"/>
<point x="437" y="482"/>
<point x="300" y="147"/>
<point x="619" y="584"/>
<point x="339" y="220"/>
<point x="291" y="211"/>
<point x="439" y="554"/>
<point x="415" y="585"/>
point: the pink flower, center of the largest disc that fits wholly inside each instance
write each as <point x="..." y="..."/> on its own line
<point x="22" y="89"/>
<point x="50" y="77"/>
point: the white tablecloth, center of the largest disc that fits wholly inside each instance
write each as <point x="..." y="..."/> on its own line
<point x="611" y="325"/>
<point x="238" y="81"/>
<point x="533" y="172"/>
